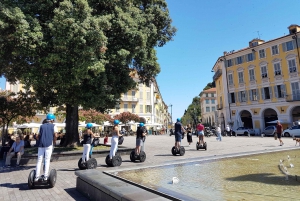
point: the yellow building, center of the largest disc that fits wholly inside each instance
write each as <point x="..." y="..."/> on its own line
<point x="260" y="83"/>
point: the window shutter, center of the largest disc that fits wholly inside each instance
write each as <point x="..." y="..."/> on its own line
<point x="262" y="93"/>
<point x="229" y="98"/>
<point x="257" y="93"/>
<point x="283" y="90"/>
<point x="246" y="58"/>
<point x="236" y="96"/>
<point x="275" y="91"/>
<point x="233" y="62"/>
<point x="246" y="95"/>
<point x="226" y="64"/>
<point x="294" y="44"/>
<point x="150" y="108"/>
<point x="283" y="45"/>
<point x="250" y="95"/>
<point x="240" y="97"/>
<point x="270" y="91"/>
<point x="298" y="40"/>
<point x="253" y="54"/>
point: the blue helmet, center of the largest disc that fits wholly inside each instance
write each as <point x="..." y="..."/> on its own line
<point x="141" y="124"/>
<point x="89" y="125"/>
<point x="50" y="116"/>
<point x="116" y="122"/>
<point x="178" y="119"/>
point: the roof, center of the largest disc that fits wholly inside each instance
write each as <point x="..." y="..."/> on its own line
<point x="211" y="90"/>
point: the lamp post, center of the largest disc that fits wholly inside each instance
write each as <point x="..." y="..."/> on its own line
<point x="171" y="115"/>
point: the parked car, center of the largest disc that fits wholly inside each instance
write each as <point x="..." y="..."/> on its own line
<point x="243" y="131"/>
<point x="269" y="131"/>
<point x="293" y="131"/>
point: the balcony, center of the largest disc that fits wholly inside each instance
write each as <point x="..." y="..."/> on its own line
<point x="293" y="97"/>
<point x="219" y="106"/>
<point x="217" y="74"/>
<point x="129" y="99"/>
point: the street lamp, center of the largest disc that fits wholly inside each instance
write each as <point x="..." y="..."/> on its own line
<point x="171" y="115"/>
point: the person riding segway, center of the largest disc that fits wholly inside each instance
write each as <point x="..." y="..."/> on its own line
<point x="46" y="137"/>
<point x="85" y="162"/>
<point x="179" y="135"/>
<point x="201" y="144"/>
<point x="137" y="154"/>
<point x="114" y="159"/>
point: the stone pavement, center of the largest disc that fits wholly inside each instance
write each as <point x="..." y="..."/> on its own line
<point x="13" y="181"/>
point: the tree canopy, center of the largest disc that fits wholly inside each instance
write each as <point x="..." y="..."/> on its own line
<point x="80" y="52"/>
<point x="193" y="113"/>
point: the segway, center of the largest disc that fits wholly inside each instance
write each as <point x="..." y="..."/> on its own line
<point x="92" y="162"/>
<point x="175" y="151"/>
<point x="42" y="182"/>
<point x="141" y="157"/>
<point x="201" y="146"/>
<point x="117" y="159"/>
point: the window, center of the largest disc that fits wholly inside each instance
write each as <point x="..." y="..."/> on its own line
<point x="148" y="95"/>
<point x="133" y="94"/>
<point x="295" y="91"/>
<point x="239" y="60"/>
<point x="206" y="95"/>
<point x="292" y="65"/>
<point x="289" y="46"/>
<point x="266" y="93"/>
<point x="207" y="109"/>
<point x="212" y="95"/>
<point x="231" y="98"/>
<point x="241" y="77"/>
<point x="229" y="63"/>
<point x="141" y="95"/>
<point x="117" y="108"/>
<point x="277" y="69"/>
<point x="141" y="109"/>
<point x="230" y="79"/>
<point x="148" y="108"/>
<point x="262" y="53"/>
<point x="213" y="101"/>
<point x="133" y="108"/>
<point x="125" y="107"/>
<point x="274" y="50"/>
<point x="253" y="94"/>
<point x="125" y="95"/>
<point x="250" y="57"/>
<point x="251" y="75"/>
<point x="264" y="71"/>
<point x="243" y="96"/>
<point x="279" y="91"/>
<point x="207" y="101"/>
<point x="254" y="44"/>
<point x="213" y="108"/>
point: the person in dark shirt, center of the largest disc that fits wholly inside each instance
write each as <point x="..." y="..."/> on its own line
<point x="279" y="132"/>
<point x="46" y="137"/>
<point x="87" y="140"/>
<point x="179" y="131"/>
<point x="140" y="138"/>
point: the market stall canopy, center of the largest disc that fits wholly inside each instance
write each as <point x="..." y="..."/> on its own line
<point x="83" y="125"/>
<point x="60" y="124"/>
<point x="29" y="125"/>
<point x="281" y="121"/>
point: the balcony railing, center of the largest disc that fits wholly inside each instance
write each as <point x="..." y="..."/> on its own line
<point x="130" y="99"/>
<point x="217" y="74"/>
<point x="293" y="97"/>
<point x="219" y="106"/>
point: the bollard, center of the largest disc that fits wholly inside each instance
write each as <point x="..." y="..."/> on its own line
<point x="248" y="134"/>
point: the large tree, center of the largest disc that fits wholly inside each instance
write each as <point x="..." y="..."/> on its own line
<point x="193" y="113"/>
<point x="80" y="52"/>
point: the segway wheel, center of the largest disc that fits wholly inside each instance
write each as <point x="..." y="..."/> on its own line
<point x="205" y="146"/>
<point x="31" y="179"/>
<point x="173" y="151"/>
<point x="91" y="163"/>
<point x="116" y="161"/>
<point x="52" y="178"/>
<point x="81" y="166"/>
<point x="197" y="146"/>
<point x="182" y="151"/>
<point x="132" y="157"/>
<point x="107" y="161"/>
<point x="142" y="156"/>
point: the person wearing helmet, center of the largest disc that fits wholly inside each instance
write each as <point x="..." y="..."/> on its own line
<point x="87" y="140"/>
<point x="179" y="131"/>
<point x="46" y="137"/>
<point x="140" y="138"/>
<point x="114" y="139"/>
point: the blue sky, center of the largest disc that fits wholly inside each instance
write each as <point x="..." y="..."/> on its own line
<point x="205" y="30"/>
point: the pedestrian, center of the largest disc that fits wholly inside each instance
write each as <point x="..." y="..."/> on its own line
<point x="46" y="137"/>
<point x="228" y="130"/>
<point x="200" y="132"/>
<point x="189" y="134"/>
<point x="140" y="138"/>
<point x="279" y="130"/>
<point x="179" y="131"/>
<point x="218" y="130"/>
<point x="87" y="140"/>
<point x="114" y="139"/>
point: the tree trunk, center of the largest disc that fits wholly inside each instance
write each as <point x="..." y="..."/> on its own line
<point x="72" y="136"/>
<point x="3" y="135"/>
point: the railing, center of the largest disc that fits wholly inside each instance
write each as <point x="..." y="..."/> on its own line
<point x="293" y="97"/>
<point x="217" y="74"/>
<point x="219" y="106"/>
<point x="130" y="99"/>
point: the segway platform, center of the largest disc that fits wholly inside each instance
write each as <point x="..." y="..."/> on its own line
<point x="204" y="146"/>
<point x="141" y="157"/>
<point x="92" y="162"/>
<point x="180" y="152"/>
<point x="116" y="160"/>
<point x="41" y="182"/>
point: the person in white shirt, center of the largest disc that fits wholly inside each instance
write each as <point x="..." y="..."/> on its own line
<point x="218" y="130"/>
<point x="228" y="130"/>
<point x="16" y="149"/>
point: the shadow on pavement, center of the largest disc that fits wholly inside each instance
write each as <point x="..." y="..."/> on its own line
<point x="75" y="194"/>
<point x="13" y="169"/>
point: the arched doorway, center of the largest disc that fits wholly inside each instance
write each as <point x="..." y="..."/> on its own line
<point x="270" y="115"/>
<point x="246" y="118"/>
<point x="296" y="114"/>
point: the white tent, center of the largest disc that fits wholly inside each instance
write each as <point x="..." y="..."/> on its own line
<point x="281" y="121"/>
<point x="60" y="124"/>
<point x="30" y="125"/>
